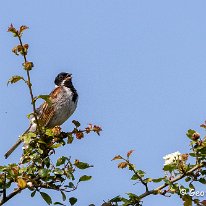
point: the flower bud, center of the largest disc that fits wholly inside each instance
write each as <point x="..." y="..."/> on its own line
<point x="29" y="184"/>
<point x="184" y="157"/>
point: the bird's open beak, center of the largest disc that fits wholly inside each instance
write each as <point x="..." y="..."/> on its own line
<point x="69" y="76"/>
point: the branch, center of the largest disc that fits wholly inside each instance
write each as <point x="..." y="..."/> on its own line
<point x="136" y="173"/>
<point x="4" y="187"/>
<point x="155" y="191"/>
<point x="29" y="85"/>
<point x="15" y="192"/>
<point x="54" y="187"/>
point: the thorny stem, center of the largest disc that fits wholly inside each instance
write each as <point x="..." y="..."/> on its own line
<point x="30" y="87"/>
<point x="158" y="189"/>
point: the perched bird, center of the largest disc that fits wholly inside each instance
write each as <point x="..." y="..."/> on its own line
<point x="63" y="102"/>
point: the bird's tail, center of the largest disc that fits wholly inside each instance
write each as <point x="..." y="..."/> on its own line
<point x="13" y="148"/>
<point x="19" y="141"/>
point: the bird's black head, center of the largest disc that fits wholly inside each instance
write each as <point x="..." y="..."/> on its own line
<point x="63" y="78"/>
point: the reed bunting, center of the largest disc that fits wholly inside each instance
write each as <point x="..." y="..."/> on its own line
<point x="63" y="102"/>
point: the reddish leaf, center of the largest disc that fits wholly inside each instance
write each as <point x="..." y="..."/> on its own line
<point x="117" y="157"/>
<point x="22" y="28"/>
<point x="79" y="135"/>
<point x="28" y="65"/>
<point x="203" y="202"/>
<point x="122" y="165"/>
<point x="12" y="30"/>
<point x="97" y="129"/>
<point x="129" y="153"/>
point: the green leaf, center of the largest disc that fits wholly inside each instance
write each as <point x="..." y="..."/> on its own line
<point x="33" y="193"/>
<point x="49" y="132"/>
<point x="14" y="79"/>
<point x="28" y="137"/>
<point x="202" y="180"/>
<point x="134" y="177"/>
<point x="140" y="173"/>
<point x="71" y="185"/>
<point x="190" y="132"/>
<point x="174" y="188"/>
<point x="59" y="203"/>
<point x="167" y="182"/>
<point x="45" y="98"/>
<point x="63" y="196"/>
<point x="41" y="142"/>
<point x="169" y="168"/>
<point x="61" y="161"/>
<point x="72" y="200"/>
<point x="70" y="139"/>
<point x="3" y="168"/>
<point x="47" y="162"/>
<point x="76" y="123"/>
<point x="157" y="180"/>
<point x="58" y="171"/>
<point x="132" y="196"/>
<point x="46" y="197"/>
<point x="40" y="151"/>
<point x="56" y="145"/>
<point x="82" y="165"/>
<point x="187" y="179"/>
<point x="116" y="199"/>
<point x="84" y="178"/>
<point x="191" y="186"/>
<point x="203" y="172"/>
<point x="187" y="200"/>
<point x="192" y="154"/>
<point x="148" y="180"/>
<point x="30" y="115"/>
<point x="43" y="172"/>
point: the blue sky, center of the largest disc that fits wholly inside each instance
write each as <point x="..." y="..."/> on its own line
<point x="139" y="68"/>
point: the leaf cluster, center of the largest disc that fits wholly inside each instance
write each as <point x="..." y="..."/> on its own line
<point x="189" y="168"/>
<point x="37" y="171"/>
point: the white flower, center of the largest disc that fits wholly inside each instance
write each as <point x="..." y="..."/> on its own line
<point x="172" y="158"/>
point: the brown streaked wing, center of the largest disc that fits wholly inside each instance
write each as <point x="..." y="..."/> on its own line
<point x="47" y="110"/>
